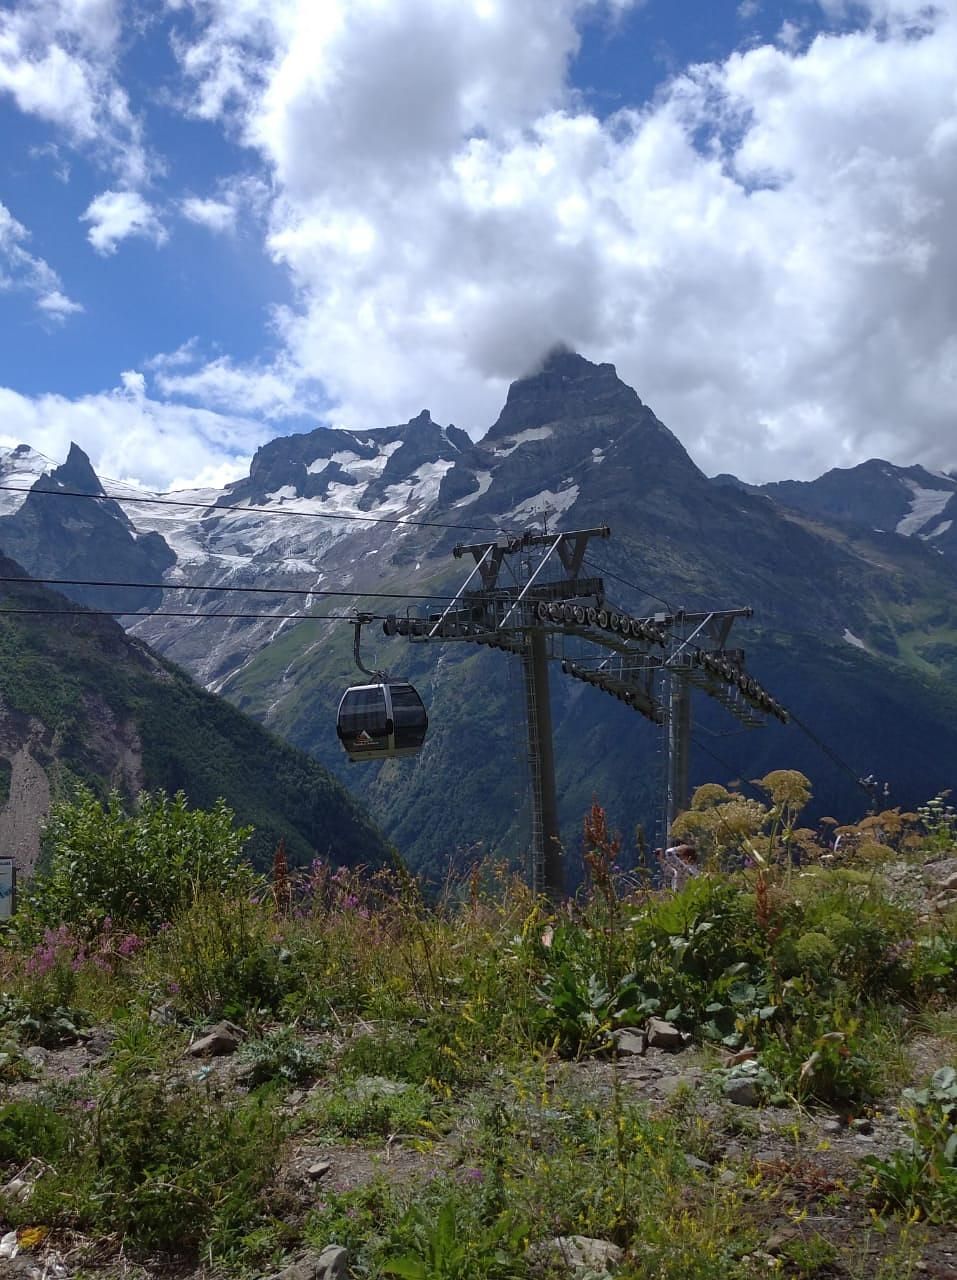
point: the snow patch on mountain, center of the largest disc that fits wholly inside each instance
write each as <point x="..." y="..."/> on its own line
<point x="353" y="464"/>
<point x="935" y="533"/>
<point x="553" y="504"/>
<point x="20" y="468"/>
<point x="484" y="479"/>
<point x="420" y="490"/>
<point x="926" y="505"/>
<point x="523" y="437"/>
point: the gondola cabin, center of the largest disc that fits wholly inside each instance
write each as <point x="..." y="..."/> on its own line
<point x="376" y="721"/>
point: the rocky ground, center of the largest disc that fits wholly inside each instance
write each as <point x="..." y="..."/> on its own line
<point x="797" y="1171"/>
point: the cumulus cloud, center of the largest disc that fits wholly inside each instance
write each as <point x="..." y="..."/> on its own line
<point x="765" y="251"/>
<point x="217" y="215"/>
<point x="271" y="391"/>
<point x="20" y="270"/>
<point x="116" y="215"/>
<point x="57" y="305"/>
<point x="128" y="434"/>
<point x="238" y="196"/>
<point x="58" y="62"/>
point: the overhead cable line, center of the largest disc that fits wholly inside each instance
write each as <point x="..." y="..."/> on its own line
<point x="200" y="586"/>
<point x="726" y="764"/>
<point x="213" y="508"/>
<point x="634" y="586"/>
<point x="823" y="746"/>
<point x="171" y="613"/>
<point x="830" y="753"/>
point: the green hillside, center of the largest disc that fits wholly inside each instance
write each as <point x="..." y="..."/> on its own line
<point x="95" y="706"/>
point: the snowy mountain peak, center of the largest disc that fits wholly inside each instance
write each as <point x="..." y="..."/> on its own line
<point x="76" y="474"/>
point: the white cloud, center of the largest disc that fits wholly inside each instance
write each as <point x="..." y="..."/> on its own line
<point x="749" y="9"/>
<point x="217" y="215"/>
<point x="58" y="62"/>
<point x="270" y="392"/>
<point x="58" y="305"/>
<point x="133" y="383"/>
<point x="766" y="251"/>
<point x="242" y="196"/>
<point x="21" y="270"/>
<point x="116" y="215"/>
<point x="128" y="434"/>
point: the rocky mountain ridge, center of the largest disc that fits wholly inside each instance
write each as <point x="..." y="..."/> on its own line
<point x="876" y="496"/>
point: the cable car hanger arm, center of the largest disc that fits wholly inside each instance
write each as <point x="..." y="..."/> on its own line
<point x="357" y="623"/>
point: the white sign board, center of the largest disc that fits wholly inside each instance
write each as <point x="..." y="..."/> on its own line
<point x="8" y="888"/>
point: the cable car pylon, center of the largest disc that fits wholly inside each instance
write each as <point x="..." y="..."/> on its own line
<point x="650" y="663"/>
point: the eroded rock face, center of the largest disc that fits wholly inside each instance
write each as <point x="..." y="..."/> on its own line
<point x="29" y="757"/>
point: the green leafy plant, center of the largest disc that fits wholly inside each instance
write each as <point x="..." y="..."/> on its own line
<point x="922" y="1178"/>
<point x="280" y="1054"/>
<point x="449" y="1243"/>
<point x="165" y="1164"/>
<point x="373" y="1106"/>
<point x="40" y="1021"/>
<point x="32" y="1129"/>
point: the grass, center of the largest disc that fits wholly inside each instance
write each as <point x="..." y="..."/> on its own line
<point x="463" y="1049"/>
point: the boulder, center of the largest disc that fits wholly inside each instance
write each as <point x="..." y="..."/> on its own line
<point x="664" y="1035"/>
<point x="333" y="1263"/>
<point x="217" y="1041"/>
<point x="741" y="1091"/>
<point x="580" y="1255"/>
<point x="629" y="1041"/>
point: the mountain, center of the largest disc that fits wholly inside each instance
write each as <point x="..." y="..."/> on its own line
<point x="855" y="627"/>
<point x="877" y="496"/>
<point x="74" y="537"/>
<point x="81" y="701"/>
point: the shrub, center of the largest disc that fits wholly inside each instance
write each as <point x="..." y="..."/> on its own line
<point x="32" y="1128"/>
<point x="135" y="869"/>
<point x="224" y="956"/>
<point x="815" y="954"/>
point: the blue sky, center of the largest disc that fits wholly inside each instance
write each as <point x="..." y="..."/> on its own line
<point x="208" y="238"/>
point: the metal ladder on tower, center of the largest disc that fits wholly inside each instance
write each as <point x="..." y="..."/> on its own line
<point x="660" y="827"/>
<point x="536" y="868"/>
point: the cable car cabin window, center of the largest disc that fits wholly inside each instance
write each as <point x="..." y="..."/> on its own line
<point x="363" y="710"/>
<point x="408" y="713"/>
